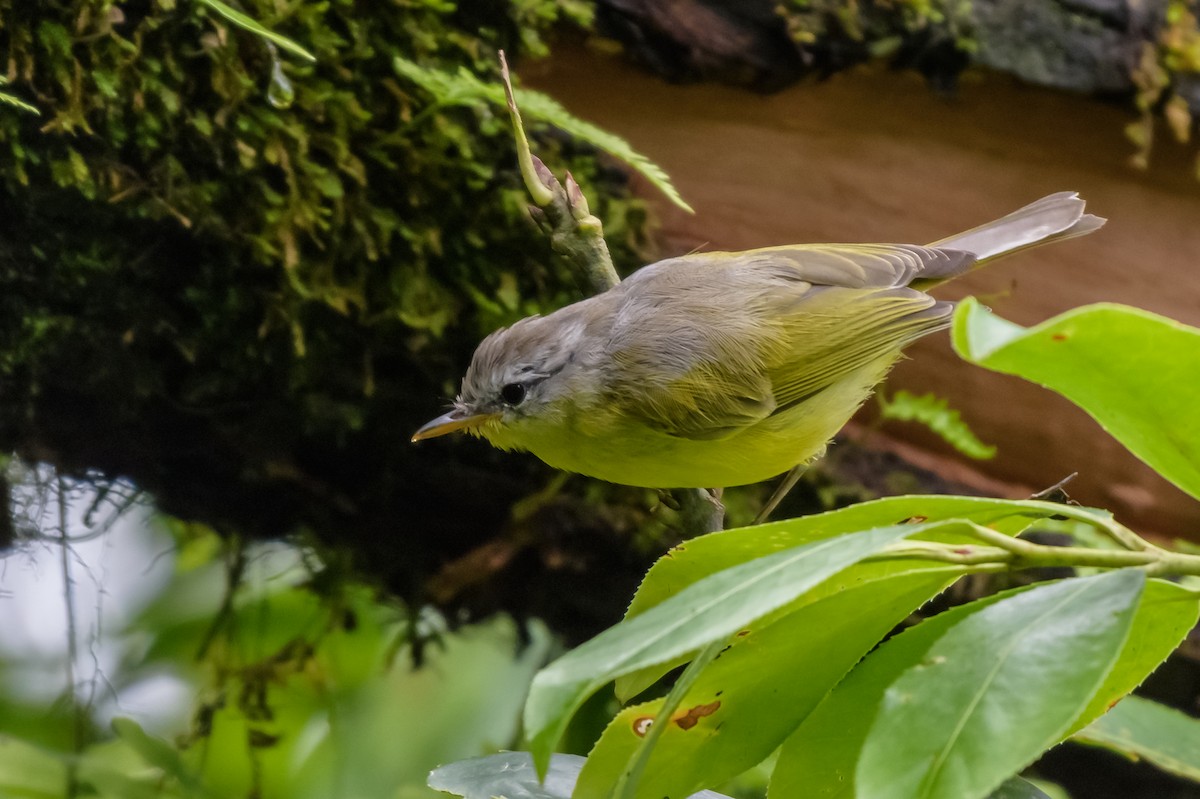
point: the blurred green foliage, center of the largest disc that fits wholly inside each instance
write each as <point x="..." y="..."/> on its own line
<point x="300" y="687"/>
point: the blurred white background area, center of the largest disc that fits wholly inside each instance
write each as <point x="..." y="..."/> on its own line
<point x="90" y="556"/>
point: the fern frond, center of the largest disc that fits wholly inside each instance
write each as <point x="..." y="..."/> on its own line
<point x="935" y="413"/>
<point x="8" y="99"/>
<point x="464" y="88"/>
<point x="16" y="102"/>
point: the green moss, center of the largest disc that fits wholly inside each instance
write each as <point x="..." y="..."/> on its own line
<point x="247" y="302"/>
<point x="359" y="195"/>
<point x="357" y="185"/>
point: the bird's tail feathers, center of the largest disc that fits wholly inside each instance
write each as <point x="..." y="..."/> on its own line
<point x="1052" y="218"/>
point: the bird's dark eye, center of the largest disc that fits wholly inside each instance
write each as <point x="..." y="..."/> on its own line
<point x="513" y="394"/>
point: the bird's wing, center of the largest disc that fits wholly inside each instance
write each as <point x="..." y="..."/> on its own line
<point x="835" y="332"/>
<point x="848" y="265"/>
<point x="737" y="337"/>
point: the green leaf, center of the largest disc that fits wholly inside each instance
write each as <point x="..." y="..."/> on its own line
<point x="820" y="759"/>
<point x="706" y="555"/>
<point x="712" y="609"/>
<point x="746" y="702"/>
<point x="29" y="771"/>
<point x="1164" y="617"/>
<point x="997" y="689"/>
<point x="1048" y="790"/>
<point x="245" y="22"/>
<point x="1134" y="372"/>
<point x="1139" y="728"/>
<point x="156" y="752"/>
<point x="873" y="728"/>
<point x="115" y="769"/>
<point x="463" y="88"/>
<point x="935" y="413"/>
<point x="1017" y="788"/>
<point x="511" y="775"/>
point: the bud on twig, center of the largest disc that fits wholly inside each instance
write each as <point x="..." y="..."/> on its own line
<point x="543" y="173"/>
<point x="575" y="199"/>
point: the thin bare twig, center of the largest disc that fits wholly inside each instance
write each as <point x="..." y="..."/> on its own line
<point x="78" y="721"/>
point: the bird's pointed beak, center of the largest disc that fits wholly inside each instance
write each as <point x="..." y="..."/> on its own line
<point x="457" y="419"/>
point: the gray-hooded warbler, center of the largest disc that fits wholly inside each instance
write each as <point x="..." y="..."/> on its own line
<point x="720" y="369"/>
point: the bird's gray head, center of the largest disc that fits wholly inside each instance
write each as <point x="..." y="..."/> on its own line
<point x="513" y="368"/>
<point x="515" y="378"/>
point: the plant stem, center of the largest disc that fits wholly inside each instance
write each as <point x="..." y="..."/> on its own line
<point x="960" y="555"/>
<point x="626" y="787"/>
<point x="541" y="193"/>
<point x="1002" y="553"/>
<point x="1103" y="522"/>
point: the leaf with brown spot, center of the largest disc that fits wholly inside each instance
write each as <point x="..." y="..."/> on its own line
<point x="691" y="717"/>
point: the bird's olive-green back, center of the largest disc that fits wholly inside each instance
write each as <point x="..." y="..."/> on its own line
<point x="705" y="345"/>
